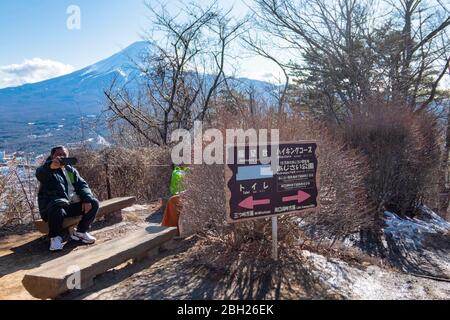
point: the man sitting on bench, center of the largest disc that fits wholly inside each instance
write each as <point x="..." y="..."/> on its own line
<point x="64" y="193"/>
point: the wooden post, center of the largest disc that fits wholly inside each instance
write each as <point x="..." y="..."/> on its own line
<point x="275" y="238"/>
<point x="108" y="182"/>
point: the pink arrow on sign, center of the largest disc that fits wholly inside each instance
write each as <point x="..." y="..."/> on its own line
<point x="250" y="203"/>
<point x="301" y="196"/>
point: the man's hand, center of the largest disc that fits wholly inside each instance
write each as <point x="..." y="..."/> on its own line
<point x="56" y="164"/>
<point x="86" y="207"/>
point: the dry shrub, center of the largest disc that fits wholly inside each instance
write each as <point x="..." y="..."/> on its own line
<point x="403" y="153"/>
<point x="345" y="207"/>
<point x="144" y="173"/>
<point x="18" y="190"/>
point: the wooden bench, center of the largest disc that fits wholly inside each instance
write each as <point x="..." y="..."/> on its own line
<point x="106" y="208"/>
<point x="55" y="277"/>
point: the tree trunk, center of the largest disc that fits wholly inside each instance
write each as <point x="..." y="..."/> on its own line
<point x="444" y="177"/>
<point x="108" y="181"/>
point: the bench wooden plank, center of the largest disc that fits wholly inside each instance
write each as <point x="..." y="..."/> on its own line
<point x="106" y="207"/>
<point x="50" y="279"/>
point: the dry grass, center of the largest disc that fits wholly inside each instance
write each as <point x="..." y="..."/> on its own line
<point x="403" y="153"/>
<point x="345" y="205"/>
<point x="142" y="172"/>
<point x="18" y="191"/>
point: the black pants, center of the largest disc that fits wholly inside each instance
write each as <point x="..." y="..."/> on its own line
<point x="55" y="217"/>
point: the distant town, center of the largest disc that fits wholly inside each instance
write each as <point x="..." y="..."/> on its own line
<point x="20" y="159"/>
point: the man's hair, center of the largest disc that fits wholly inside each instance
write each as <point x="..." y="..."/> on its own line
<point x="52" y="153"/>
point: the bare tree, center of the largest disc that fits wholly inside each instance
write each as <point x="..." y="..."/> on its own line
<point x="340" y="54"/>
<point x="343" y="51"/>
<point x="327" y="56"/>
<point x="421" y="50"/>
<point x="181" y="76"/>
<point x="256" y="45"/>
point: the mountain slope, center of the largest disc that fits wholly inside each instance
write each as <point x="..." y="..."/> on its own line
<point x="34" y="116"/>
<point x="83" y="86"/>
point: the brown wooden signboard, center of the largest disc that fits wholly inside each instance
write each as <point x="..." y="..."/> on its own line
<point x="255" y="190"/>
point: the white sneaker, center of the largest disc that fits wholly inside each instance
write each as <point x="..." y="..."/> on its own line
<point x="56" y="244"/>
<point x="83" y="237"/>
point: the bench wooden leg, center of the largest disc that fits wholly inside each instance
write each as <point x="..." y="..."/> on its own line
<point x="87" y="284"/>
<point x="115" y="217"/>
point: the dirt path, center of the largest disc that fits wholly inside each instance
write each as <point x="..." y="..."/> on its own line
<point x="14" y="262"/>
<point x="177" y="276"/>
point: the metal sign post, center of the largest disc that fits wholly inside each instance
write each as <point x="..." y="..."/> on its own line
<point x="275" y="238"/>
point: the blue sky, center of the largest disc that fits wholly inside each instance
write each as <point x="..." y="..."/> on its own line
<point x="35" y="43"/>
<point x="37" y="28"/>
<point x="34" y="36"/>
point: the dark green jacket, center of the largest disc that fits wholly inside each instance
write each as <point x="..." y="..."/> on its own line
<point x="53" y="189"/>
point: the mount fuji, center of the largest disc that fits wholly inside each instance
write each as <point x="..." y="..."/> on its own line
<point x="36" y="116"/>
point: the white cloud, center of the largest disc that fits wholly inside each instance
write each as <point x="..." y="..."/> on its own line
<point x="258" y="68"/>
<point x="31" y="71"/>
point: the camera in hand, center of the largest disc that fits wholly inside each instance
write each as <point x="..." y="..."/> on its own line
<point x="68" y="161"/>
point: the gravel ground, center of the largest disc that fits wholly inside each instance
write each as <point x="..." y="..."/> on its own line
<point x="420" y="246"/>
<point x="177" y="276"/>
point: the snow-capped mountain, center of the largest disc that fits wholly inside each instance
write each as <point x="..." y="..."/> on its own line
<point x="54" y="110"/>
<point x="80" y="89"/>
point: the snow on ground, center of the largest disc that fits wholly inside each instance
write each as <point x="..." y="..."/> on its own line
<point x="372" y="282"/>
<point x="420" y="245"/>
<point x="413" y="230"/>
<point x="412" y="247"/>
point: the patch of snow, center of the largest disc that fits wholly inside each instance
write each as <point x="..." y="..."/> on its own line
<point x="91" y="69"/>
<point x="435" y="220"/>
<point x="373" y="282"/>
<point x="413" y="230"/>
<point x="122" y="73"/>
<point x="119" y="61"/>
<point x="102" y="141"/>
